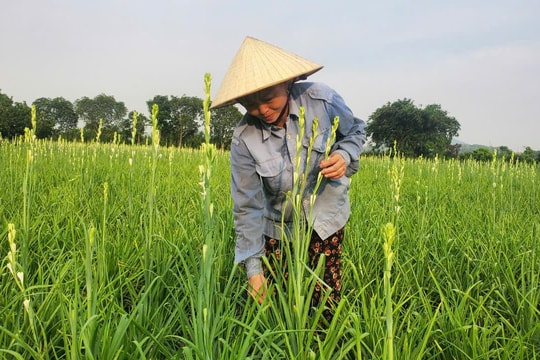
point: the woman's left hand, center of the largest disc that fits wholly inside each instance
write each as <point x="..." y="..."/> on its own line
<point x="333" y="167"/>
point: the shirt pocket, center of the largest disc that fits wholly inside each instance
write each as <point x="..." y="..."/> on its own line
<point x="271" y="172"/>
<point x="319" y="143"/>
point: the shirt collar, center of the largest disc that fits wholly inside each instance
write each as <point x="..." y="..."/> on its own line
<point x="268" y="130"/>
<point x="294" y="109"/>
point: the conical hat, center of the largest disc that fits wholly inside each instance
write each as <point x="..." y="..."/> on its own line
<point x="259" y="65"/>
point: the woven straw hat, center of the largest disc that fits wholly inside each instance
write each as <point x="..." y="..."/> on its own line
<point x="259" y="65"/>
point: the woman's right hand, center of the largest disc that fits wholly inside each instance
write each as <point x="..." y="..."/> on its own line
<point x="257" y="287"/>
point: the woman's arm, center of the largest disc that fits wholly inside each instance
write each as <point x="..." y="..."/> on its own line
<point x="248" y="207"/>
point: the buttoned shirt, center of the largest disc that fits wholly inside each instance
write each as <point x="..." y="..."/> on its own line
<point x="263" y="159"/>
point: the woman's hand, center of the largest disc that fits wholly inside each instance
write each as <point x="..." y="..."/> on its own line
<point x="333" y="167"/>
<point x="257" y="287"/>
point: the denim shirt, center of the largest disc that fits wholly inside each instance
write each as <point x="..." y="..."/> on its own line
<point x="263" y="158"/>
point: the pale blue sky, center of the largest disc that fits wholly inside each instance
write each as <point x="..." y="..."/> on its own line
<point x="480" y="60"/>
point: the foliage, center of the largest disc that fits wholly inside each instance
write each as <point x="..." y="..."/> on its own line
<point x="224" y="121"/>
<point x="125" y="129"/>
<point x="54" y="117"/>
<point x="502" y="153"/>
<point x="179" y="119"/>
<point x="528" y="155"/>
<point x="14" y="117"/>
<point x="189" y="117"/>
<point x="481" y="154"/>
<point x="417" y="131"/>
<point x="83" y="289"/>
<point x="102" y="108"/>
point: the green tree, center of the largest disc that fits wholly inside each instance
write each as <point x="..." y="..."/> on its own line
<point x="504" y="152"/>
<point x="222" y="126"/>
<point x="481" y="154"/>
<point x="189" y="114"/>
<point x="416" y="131"/>
<point x="126" y="127"/>
<point x="102" y="107"/>
<point x="54" y="117"/>
<point x="528" y="155"/>
<point x="164" y="117"/>
<point x="452" y="151"/>
<point x="14" y="117"/>
<point x="179" y="119"/>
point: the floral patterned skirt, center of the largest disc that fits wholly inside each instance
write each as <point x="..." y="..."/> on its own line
<point x="330" y="247"/>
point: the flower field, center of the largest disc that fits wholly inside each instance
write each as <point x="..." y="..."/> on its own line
<point x="114" y="251"/>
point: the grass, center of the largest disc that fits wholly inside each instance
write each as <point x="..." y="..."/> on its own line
<point x="123" y="257"/>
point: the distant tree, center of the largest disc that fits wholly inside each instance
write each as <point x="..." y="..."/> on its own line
<point x="528" y="155"/>
<point x="126" y="127"/>
<point x="504" y="152"/>
<point x="14" y="117"/>
<point x="481" y="154"/>
<point x="189" y="114"/>
<point x="416" y="131"/>
<point x="196" y="140"/>
<point x="103" y="107"/>
<point x="453" y="150"/>
<point x="54" y="117"/>
<point x="165" y="120"/>
<point x="222" y="125"/>
<point x="179" y="119"/>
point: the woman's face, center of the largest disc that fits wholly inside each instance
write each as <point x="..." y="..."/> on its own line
<point x="267" y="104"/>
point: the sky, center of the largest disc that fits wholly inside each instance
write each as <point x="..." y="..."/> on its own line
<point x="479" y="60"/>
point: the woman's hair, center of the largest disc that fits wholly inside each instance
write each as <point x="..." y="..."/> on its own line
<point x="260" y="96"/>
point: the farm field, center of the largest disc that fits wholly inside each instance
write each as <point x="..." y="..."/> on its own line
<point x="113" y="251"/>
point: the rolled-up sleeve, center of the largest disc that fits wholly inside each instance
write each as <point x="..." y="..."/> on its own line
<point x="248" y="207"/>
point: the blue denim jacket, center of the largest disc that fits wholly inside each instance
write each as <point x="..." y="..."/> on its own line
<point x="262" y="167"/>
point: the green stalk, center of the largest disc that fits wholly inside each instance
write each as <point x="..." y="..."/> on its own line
<point x="302" y="280"/>
<point x="494" y="172"/>
<point x="89" y="328"/>
<point x="102" y="248"/>
<point x="329" y="142"/>
<point x="28" y="183"/>
<point x="389" y="235"/>
<point x="134" y="128"/>
<point x="99" y="129"/>
<point x="298" y="235"/>
<point x="148" y="254"/>
<point x="398" y="166"/>
<point x="15" y="269"/>
<point x="206" y="287"/>
<point x="90" y="296"/>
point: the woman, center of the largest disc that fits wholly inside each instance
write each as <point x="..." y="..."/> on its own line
<point x="263" y="79"/>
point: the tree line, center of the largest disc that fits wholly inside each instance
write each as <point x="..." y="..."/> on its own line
<point x="400" y="126"/>
<point x="179" y="120"/>
<point x="415" y="131"/>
